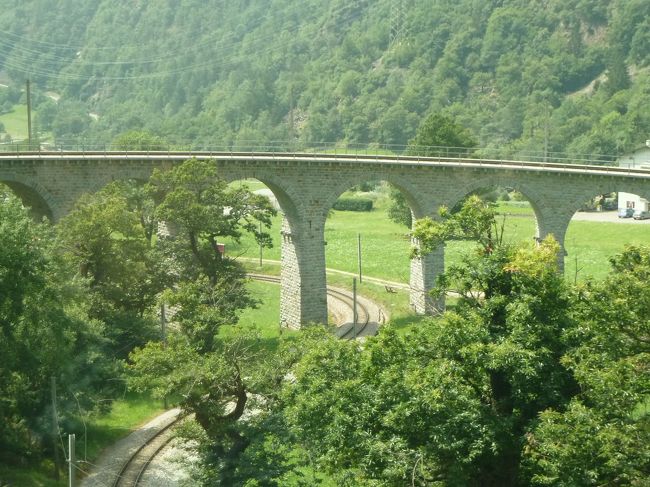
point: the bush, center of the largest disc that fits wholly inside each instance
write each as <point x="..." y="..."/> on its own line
<point x="353" y="204"/>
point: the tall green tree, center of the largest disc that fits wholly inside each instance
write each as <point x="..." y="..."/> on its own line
<point x="602" y="436"/>
<point x="108" y="236"/>
<point x="452" y="402"/>
<point x="438" y="135"/>
<point x="201" y="210"/>
<point x="208" y="292"/>
<point x="45" y="334"/>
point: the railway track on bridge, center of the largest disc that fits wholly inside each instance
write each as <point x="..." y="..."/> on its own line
<point x="451" y="158"/>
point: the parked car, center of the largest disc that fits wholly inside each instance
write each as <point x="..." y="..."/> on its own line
<point x="641" y="215"/>
<point x="625" y="212"/>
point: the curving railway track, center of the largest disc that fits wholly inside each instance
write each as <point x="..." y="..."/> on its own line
<point x="347" y="330"/>
<point x="136" y="465"/>
<point x="133" y="469"/>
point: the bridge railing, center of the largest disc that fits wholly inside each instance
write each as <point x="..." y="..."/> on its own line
<point x="505" y="153"/>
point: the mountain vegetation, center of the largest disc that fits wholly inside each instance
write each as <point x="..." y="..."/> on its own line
<point x="558" y="75"/>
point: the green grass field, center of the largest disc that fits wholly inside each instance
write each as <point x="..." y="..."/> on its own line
<point x="385" y="245"/>
<point x="126" y="415"/>
<point x="15" y="122"/>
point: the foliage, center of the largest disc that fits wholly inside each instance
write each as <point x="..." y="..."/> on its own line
<point x="603" y="435"/>
<point x="200" y="209"/>
<point x="521" y="76"/>
<point x="476" y="220"/>
<point x="45" y="335"/>
<point x="138" y="140"/>
<point x="399" y="211"/>
<point x="211" y="372"/>
<point x="439" y="131"/>
<point x="353" y="204"/>
<point x="450" y="403"/>
<point x="108" y="236"/>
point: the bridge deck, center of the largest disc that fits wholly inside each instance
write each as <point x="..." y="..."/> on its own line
<point x="306" y="157"/>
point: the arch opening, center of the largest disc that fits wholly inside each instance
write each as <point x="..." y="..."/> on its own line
<point x="282" y="261"/>
<point x="600" y="227"/>
<point x="30" y="198"/>
<point x="367" y="239"/>
<point x="518" y="217"/>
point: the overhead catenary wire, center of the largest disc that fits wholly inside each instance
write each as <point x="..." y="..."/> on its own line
<point x="215" y="57"/>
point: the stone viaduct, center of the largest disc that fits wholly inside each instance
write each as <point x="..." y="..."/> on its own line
<point x="306" y="187"/>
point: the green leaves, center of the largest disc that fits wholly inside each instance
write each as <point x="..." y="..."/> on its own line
<point x="202" y="208"/>
<point x="476" y="220"/>
<point x="440" y="130"/>
<point x="602" y="436"/>
<point x="45" y="332"/>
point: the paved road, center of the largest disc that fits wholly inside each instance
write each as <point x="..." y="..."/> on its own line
<point x="606" y="216"/>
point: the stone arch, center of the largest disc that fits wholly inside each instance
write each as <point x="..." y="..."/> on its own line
<point x="33" y="196"/>
<point x="302" y="273"/>
<point x="531" y="194"/>
<point x="286" y="195"/>
<point x="336" y="188"/>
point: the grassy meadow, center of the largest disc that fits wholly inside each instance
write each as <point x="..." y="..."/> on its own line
<point x="385" y="254"/>
<point x="385" y="245"/>
<point x="15" y="121"/>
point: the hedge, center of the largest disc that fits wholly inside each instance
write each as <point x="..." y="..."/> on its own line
<point x="353" y="204"/>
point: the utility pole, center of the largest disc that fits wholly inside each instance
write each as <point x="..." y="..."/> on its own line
<point x="260" y="246"/>
<point x="163" y="331"/>
<point x="55" y="429"/>
<point x="546" y="132"/>
<point x="72" y="460"/>
<point x="291" y="119"/>
<point x="354" y="305"/>
<point x="29" y="114"/>
<point x="359" y="255"/>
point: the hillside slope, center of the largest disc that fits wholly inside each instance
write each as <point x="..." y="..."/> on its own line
<point x="245" y="72"/>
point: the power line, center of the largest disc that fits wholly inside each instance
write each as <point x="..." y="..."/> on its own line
<point x="214" y="54"/>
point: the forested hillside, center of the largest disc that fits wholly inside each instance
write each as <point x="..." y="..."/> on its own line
<point x="556" y="75"/>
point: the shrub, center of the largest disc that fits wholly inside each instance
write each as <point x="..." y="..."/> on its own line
<point x="353" y="204"/>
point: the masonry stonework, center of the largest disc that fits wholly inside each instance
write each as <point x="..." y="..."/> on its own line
<point x="307" y="185"/>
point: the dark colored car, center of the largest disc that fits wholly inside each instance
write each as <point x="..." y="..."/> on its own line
<point x="625" y="212"/>
<point x="641" y="215"/>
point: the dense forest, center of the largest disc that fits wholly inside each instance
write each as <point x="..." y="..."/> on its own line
<point x="557" y="75"/>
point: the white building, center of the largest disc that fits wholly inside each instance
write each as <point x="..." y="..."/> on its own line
<point x="638" y="159"/>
